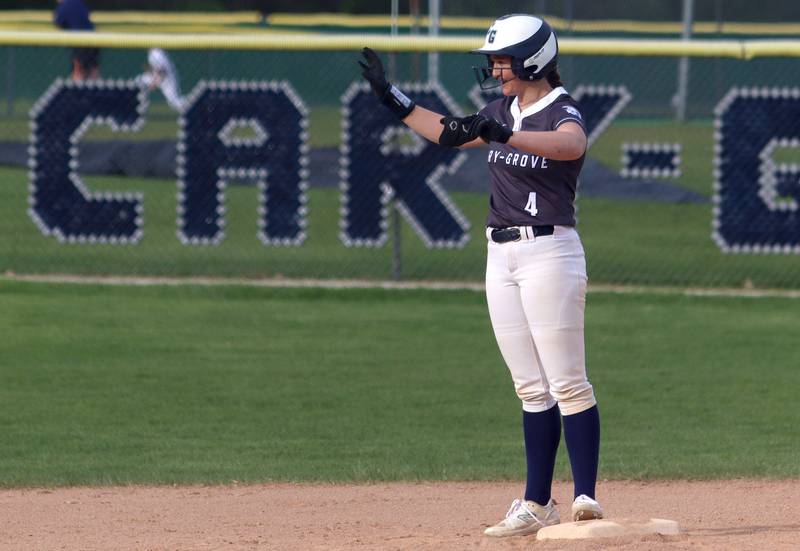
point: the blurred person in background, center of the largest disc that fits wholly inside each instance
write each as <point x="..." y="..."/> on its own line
<point x="73" y="15"/>
<point x="160" y="73"/>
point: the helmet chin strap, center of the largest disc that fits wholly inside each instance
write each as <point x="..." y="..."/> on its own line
<point x="513" y="76"/>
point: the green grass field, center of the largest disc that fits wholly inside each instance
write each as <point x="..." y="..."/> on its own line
<point x="116" y="385"/>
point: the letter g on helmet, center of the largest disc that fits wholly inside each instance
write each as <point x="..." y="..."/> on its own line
<point x="530" y="42"/>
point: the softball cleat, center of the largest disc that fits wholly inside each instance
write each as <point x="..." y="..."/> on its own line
<point x="523" y="518"/>
<point x="586" y="508"/>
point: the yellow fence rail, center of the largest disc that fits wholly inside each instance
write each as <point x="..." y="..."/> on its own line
<point x="737" y="49"/>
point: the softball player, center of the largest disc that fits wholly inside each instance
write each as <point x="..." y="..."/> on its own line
<point x="535" y="269"/>
<point x="161" y="73"/>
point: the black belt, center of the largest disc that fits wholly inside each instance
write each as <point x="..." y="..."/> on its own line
<point x="505" y="235"/>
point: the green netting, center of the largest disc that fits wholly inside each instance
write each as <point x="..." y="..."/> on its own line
<point x="636" y="231"/>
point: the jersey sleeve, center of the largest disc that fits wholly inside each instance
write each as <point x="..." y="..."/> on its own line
<point x="566" y="110"/>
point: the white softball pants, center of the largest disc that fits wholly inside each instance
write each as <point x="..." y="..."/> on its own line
<point x="536" y="291"/>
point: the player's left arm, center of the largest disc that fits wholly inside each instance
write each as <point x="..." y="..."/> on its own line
<point x="566" y="143"/>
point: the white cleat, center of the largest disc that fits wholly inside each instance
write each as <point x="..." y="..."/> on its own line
<point x="585" y="508"/>
<point x="523" y="518"/>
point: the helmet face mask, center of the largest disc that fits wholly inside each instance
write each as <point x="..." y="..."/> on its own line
<point x="528" y="40"/>
<point x="484" y="74"/>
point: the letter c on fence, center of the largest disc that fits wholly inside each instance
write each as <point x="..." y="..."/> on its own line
<point x="60" y="203"/>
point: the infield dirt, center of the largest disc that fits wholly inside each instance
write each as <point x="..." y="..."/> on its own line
<point x="736" y="515"/>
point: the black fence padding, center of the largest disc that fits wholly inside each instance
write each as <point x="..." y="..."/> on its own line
<point x="156" y="159"/>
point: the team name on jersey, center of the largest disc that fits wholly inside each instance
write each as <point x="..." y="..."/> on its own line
<point x="523" y="160"/>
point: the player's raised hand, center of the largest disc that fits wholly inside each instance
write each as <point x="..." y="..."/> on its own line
<point x="373" y="71"/>
<point x="391" y="96"/>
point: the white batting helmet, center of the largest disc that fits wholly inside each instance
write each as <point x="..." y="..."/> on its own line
<point x="530" y="42"/>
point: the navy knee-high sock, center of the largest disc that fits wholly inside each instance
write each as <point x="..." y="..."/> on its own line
<point x="542" y="435"/>
<point x="582" y="435"/>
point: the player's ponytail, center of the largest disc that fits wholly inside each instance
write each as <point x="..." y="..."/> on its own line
<point x="554" y="79"/>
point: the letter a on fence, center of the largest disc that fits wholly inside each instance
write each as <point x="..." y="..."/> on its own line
<point x="250" y="131"/>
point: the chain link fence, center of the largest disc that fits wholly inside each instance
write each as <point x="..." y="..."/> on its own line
<point x="280" y="163"/>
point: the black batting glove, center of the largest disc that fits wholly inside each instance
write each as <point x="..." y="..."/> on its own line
<point x="494" y="131"/>
<point x="373" y="71"/>
<point x="460" y="130"/>
<point x="391" y="96"/>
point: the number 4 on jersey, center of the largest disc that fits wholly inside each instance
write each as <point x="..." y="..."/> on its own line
<point x="531" y="206"/>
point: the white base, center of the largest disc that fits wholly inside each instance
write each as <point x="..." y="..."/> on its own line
<point x="608" y="529"/>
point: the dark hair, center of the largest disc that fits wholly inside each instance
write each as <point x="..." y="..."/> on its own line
<point x="554" y="79"/>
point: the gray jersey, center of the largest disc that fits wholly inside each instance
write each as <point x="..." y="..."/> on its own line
<point x="528" y="189"/>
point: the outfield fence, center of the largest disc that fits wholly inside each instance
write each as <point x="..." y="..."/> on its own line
<point x="270" y="158"/>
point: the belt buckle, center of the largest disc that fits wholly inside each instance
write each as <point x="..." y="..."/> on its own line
<point x="506" y="235"/>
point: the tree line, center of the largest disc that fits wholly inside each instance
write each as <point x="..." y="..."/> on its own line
<point x="642" y="10"/>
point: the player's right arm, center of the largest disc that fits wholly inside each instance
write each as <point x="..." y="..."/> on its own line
<point x="447" y="131"/>
<point x="425" y="122"/>
<point x="435" y="127"/>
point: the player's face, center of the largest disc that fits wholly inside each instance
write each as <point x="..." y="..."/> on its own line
<point x="501" y="71"/>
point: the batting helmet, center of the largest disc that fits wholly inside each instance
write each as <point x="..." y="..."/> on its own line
<point x="529" y="41"/>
